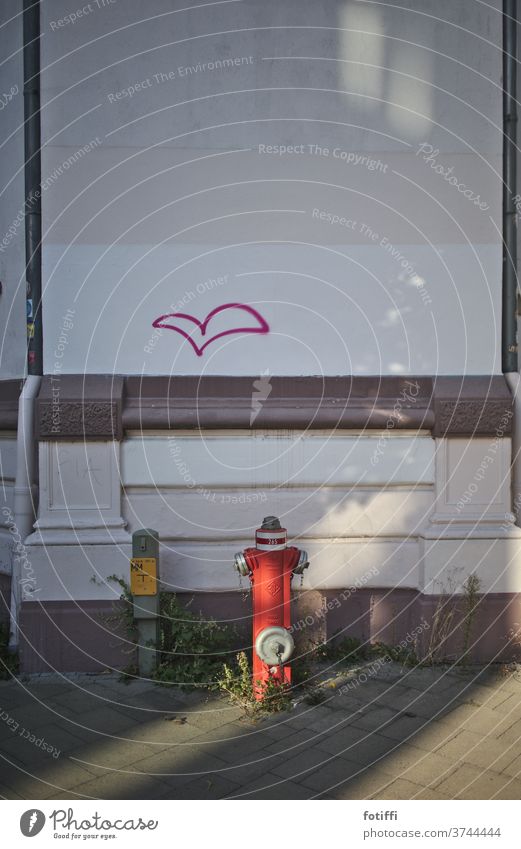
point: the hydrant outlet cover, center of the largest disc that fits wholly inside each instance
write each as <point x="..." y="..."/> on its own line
<point x="274" y="645"/>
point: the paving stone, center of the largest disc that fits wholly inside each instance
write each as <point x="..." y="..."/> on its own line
<point x="404" y="726"/>
<point x="126" y="786"/>
<point x="480" y="720"/>
<point x="207" y="788"/>
<point x="8" y="793"/>
<point x="329" y="775"/>
<point x="374" y="718"/>
<point x="507" y="706"/>
<point x="111" y="754"/>
<point x="342" y="742"/>
<point x="229" y="735"/>
<point x="278" y="730"/>
<point x="183" y="762"/>
<point x="477" y="750"/>
<point x="307" y="716"/>
<point x="295" y="768"/>
<point x="415" y="764"/>
<point x="210" y="719"/>
<point x="29" y="716"/>
<point x="80" y="701"/>
<point x="479" y="695"/>
<point x="400" y="698"/>
<point x="293" y="743"/>
<point x="511" y="736"/>
<point x="47" y="692"/>
<point x="364" y="786"/>
<point x="62" y="739"/>
<point x="510" y="790"/>
<point x="241" y="748"/>
<point x="367" y="750"/>
<point x="399" y="789"/>
<point x="11" y="696"/>
<point x="383" y="760"/>
<point x="103" y="719"/>
<point x="426" y="793"/>
<point x="21" y="751"/>
<point x="513" y="769"/>
<point x="328" y="722"/>
<point x="420" y="732"/>
<point x="46" y="782"/>
<point x="271" y="786"/>
<point x="470" y="782"/>
<point x="433" y="706"/>
<point x="244" y="774"/>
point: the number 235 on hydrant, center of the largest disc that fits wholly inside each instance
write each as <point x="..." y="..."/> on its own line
<point x="270" y="567"/>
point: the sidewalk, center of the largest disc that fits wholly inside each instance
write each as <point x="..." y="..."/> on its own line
<point x="404" y="734"/>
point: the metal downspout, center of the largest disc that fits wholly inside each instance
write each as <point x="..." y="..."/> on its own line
<point x="24" y="493"/>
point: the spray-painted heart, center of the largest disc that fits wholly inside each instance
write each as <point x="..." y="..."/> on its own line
<point x="172" y="320"/>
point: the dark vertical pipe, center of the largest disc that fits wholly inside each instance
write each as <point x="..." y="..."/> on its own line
<point x="509" y="317"/>
<point x="33" y="174"/>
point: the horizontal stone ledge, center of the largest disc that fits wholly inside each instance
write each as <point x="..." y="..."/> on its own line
<point x="94" y="407"/>
<point x="9" y="395"/>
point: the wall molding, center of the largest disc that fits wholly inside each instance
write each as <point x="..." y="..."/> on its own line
<point x="94" y="407"/>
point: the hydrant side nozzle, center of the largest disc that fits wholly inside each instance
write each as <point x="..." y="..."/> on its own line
<point x="303" y="563"/>
<point x="241" y="564"/>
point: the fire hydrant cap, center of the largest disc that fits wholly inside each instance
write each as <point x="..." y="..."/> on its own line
<point x="271" y="523"/>
<point x="241" y="564"/>
<point x="274" y="645"/>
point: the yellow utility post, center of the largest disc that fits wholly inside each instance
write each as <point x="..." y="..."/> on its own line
<point x="144" y="586"/>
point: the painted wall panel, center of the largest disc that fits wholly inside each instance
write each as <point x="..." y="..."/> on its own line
<point x="306" y="512"/>
<point x="335" y="167"/>
<point x="259" y="460"/>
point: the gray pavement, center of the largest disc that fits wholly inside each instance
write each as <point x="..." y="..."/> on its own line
<point x="446" y="733"/>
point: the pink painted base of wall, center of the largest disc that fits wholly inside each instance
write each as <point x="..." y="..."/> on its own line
<point x="79" y="637"/>
<point x="5" y="596"/>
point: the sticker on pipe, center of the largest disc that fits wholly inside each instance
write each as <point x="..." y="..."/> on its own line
<point x="143" y="576"/>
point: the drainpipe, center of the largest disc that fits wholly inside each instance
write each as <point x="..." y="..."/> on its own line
<point x="24" y="493"/>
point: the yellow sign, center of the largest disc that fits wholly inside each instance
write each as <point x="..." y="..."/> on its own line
<point x="143" y="576"/>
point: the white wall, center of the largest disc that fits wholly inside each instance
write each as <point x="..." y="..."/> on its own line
<point x="172" y="190"/>
<point x="8" y="538"/>
<point x="404" y="511"/>
<point x="12" y="250"/>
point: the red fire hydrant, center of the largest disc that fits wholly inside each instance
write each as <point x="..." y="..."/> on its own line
<point x="270" y="566"/>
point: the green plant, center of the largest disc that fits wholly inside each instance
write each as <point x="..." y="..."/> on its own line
<point x="8" y="660"/>
<point x="442" y="624"/>
<point x="315" y="696"/>
<point x="192" y="649"/>
<point x="471" y="589"/>
<point x="236" y="681"/>
<point x="123" y="616"/>
<point x="347" y="650"/>
<point x="406" y="656"/>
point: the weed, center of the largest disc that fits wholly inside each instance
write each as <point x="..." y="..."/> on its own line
<point x="351" y="650"/>
<point x="347" y="650"/>
<point x="237" y="682"/>
<point x="315" y="696"/>
<point x="192" y="649"/>
<point x="471" y="589"/>
<point x="442" y="625"/>
<point x="8" y="660"/>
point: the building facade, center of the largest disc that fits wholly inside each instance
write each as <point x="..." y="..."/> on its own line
<point x="272" y="250"/>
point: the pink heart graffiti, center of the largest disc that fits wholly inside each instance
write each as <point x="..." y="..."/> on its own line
<point x="261" y="325"/>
